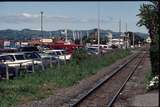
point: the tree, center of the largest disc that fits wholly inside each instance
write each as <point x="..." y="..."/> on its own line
<point x="149" y="17"/>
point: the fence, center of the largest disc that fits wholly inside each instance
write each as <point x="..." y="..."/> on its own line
<point x="28" y="66"/>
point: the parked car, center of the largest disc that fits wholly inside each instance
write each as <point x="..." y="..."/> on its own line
<point x="14" y="59"/>
<point x="92" y="50"/>
<point x="47" y="58"/>
<point x="33" y="56"/>
<point x="59" y="53"/>
<point x="104" y="48"/>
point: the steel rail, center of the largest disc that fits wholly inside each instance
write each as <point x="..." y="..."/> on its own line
<point x="121" y="88"/>
<point x="103" y="81"/>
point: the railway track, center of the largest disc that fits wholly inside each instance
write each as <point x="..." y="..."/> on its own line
<point x="105" y="92"/>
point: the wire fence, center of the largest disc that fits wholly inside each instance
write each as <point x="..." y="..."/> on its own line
<point x="8" y="69"/>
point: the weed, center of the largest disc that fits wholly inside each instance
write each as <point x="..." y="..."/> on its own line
<point x="40" y="84"/>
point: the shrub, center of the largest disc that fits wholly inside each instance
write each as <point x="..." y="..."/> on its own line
<point x="79" y="55"/>
<point x="154" y="55"/>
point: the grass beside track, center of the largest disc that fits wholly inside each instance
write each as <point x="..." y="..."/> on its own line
<point x="40" y="84"/>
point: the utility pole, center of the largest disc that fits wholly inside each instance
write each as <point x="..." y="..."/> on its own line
<point x="66" y="35"/>
<point x="126" y="27"/>
<point x="133" y="39"/>
<point x="81" y="38"/>
<point x="119" y="30"/>
<point x="126" y="37"/>
<point x="98" y="30"/>
<point x="42" y="23"/>
<point x="119" y="25"/>
<point x="87" y="34"/>
<point x="73" y="33"/>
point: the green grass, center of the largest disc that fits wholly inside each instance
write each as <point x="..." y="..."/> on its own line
<point x="40" y="84"/>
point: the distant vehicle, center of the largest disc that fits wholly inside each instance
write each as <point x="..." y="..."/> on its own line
<point x="92" y="50"/>
<point x="33" y="56"/>
<point x="28" y="49"/>
<point x="104" y="48"/>
<point x="14" y="59"/>
<point x="59" y="53"/>
<point x="47" y="58"/>
<point x="101" y="46"/>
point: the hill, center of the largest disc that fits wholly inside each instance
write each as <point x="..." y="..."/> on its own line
<point x="26" y="34"/>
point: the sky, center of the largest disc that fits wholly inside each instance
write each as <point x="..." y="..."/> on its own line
<point x="70" y="15"/>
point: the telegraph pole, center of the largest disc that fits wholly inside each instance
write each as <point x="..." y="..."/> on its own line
<point x="126" y="27"/>
<point x="119" y="25"/>
<point x="98" y="30"/>
<point x="42" y="23"/>
<point x="73" y="33"/>
<point x="133" y="39"/>
<point x="81" y="42"/>
<point x="126" y="37"/>
<point x="119" y="30"/>
<point x="66" y="35"/>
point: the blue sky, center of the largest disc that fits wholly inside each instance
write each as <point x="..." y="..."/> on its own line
<point x="70" y="15"/>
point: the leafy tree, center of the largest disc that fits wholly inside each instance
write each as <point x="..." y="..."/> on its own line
<point x="150" y="17"/>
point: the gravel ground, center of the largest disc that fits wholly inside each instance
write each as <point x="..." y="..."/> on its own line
<point x="63" y="96"/>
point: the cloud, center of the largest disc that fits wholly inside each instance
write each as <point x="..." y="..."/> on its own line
<point x="26" y="15"/>
<point x="28" y="18"/>
<point x="19" y="18"/>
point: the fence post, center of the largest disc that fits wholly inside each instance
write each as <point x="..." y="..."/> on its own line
<point x="32" y="65"/>
<point x="65" y="58"/>
<point x="58" y="62"/>
<point x="26" y="68"/>
<point x="42" y="64"/>
<point x="50" y="61"/>
<point x="7" y="74"/>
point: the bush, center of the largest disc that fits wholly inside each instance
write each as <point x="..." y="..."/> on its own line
<point x="154" y="56"/>
<point x="151" y="81"/>
<point x="79" y="55"/>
